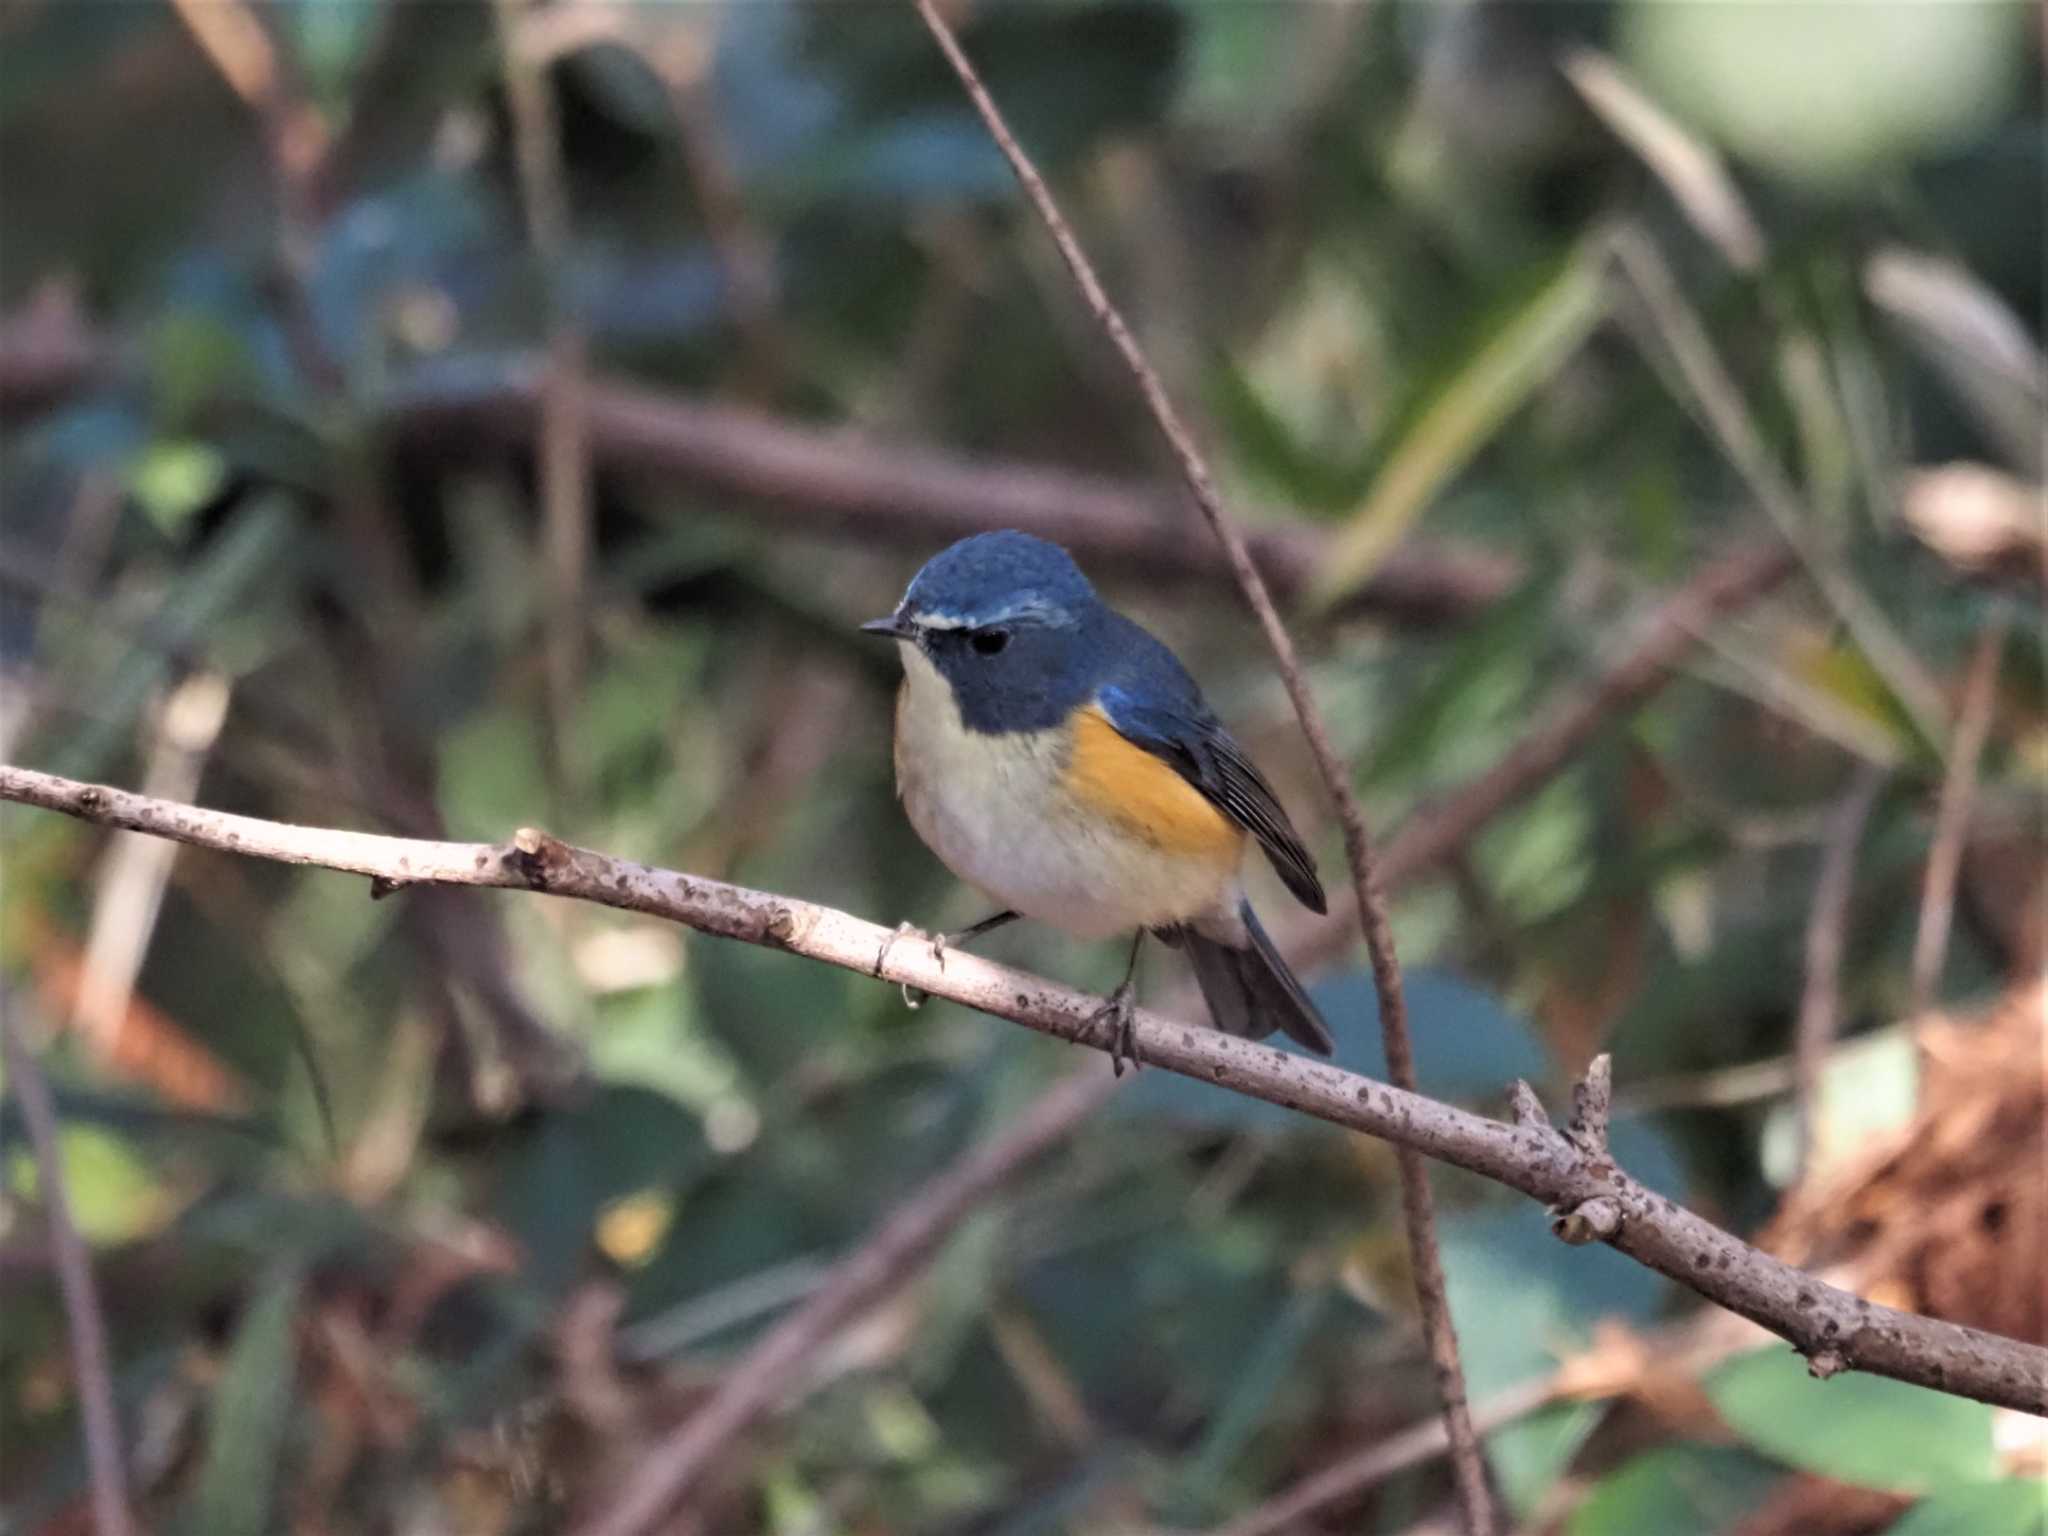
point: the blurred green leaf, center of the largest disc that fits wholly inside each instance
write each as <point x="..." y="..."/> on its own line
<point x="1508" y="362"/>
<point x="250" y="555"/>
<point x="624" y="1140"/>
<point x="1845" y="675"/>
<point x="251" y="1421"/>
<point x="1858" y="1428"/>
<point x="174" y="479"/>
<point x="1678" y="1490"/>
<point x="1520" y="1300"/>
<point x="1530" y="1455"/>
<point x="1268" y="447"/>
<point x="1697" y="179"/>
<point x="116" y="1194"/>
<point x="1484" y="661"/>
<point x="1272" y="1358"/>
<point x="1831" y="94"/>
<point x="196" y="358"/>
<point x="1973" y="339"/>
<point x="1869" y="1087"/>
<point x="2018" y="1507"/>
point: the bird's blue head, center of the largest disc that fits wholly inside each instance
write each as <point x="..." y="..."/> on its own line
<point x="1011" y="625"/>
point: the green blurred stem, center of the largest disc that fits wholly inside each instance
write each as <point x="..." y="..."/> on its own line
<point x="105" y="1463"/>
<point x="1952" y="814"/>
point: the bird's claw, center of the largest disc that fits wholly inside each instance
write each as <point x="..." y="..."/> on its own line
<point x="1123" y="1013"/>
<point x="913" y="997"/>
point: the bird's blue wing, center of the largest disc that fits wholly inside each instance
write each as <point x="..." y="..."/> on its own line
<point x="1183" y="734"/>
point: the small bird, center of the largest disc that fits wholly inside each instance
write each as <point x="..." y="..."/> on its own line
<point x="1059" y="758"/>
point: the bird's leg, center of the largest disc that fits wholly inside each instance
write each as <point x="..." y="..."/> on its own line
<point x="1121" y="1011"/>
<point x="941" y="942"/>
<point x="913" y="997"/>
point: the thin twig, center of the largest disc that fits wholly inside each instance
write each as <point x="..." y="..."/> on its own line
<point x="234" y="37"/>
<point x="564" y="426"/>
<point x="105" y="1463"/>
<point x="1381" y="1460"/>
<point x="1475" y="1499"/>
<point x="1820" y="1000"/>
<point x="744" y="252"/>
<point x="899" y="1245"/>
<point x="1952" y="814"/>
<point x="1528" y="1156"/>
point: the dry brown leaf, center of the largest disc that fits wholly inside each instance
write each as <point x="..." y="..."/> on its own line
<point x="1949" y="1216"/>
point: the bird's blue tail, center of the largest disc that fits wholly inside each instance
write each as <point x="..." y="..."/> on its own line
<point x="1250" y="990"/>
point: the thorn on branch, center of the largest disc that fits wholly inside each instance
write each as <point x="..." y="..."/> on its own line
<point x="1591" y="1100"/>
<point x="1590" y="1221"/>
<point x="1529" y="1112"/>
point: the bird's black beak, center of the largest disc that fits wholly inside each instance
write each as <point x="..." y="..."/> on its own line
<point x="891" y="628"/>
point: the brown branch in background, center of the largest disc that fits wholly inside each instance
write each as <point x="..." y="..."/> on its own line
<point x="898" y="1246"/>
<point x="1952" y="814"/>
<point x="1388" y="1457"/>
<point x="1564" y="1170"/>
<point x="1820" y="999"/>
<point x="564" y="448"/>
<point x="1468" y="1465"/>
<point x="830" y="481"/>
<point x="106" y="1466"/>
<point x="834" y="481"/>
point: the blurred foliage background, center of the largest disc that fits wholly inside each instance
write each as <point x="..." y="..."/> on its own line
<point x="439" y="418"/>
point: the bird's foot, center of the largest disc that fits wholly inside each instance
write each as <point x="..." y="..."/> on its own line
<point x="913" y="997"/>
<point x="1122" y="1012"/>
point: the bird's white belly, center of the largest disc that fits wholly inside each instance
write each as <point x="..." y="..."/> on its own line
<point x="994" y="809"/>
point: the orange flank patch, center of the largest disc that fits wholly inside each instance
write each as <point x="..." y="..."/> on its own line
<point x="1125" y="783"/>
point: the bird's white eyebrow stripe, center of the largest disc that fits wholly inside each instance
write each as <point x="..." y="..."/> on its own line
<point x="1029" y="608"/>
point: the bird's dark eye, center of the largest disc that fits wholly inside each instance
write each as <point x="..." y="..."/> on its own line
<point x="987" y="642"/>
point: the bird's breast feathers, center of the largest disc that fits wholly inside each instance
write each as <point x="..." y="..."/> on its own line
<point x="1074" y="826"/>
